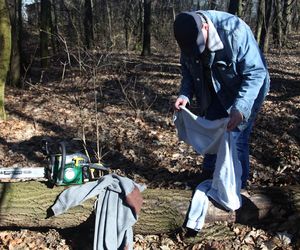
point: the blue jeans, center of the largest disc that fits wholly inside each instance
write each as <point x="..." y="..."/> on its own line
<point x="242" y="145"/>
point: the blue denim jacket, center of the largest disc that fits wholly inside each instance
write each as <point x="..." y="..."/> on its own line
<point x="239" y="72"/>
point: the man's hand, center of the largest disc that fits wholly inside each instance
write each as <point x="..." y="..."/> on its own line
<point x="180" y="101"/>
<point x="236" y="117"/>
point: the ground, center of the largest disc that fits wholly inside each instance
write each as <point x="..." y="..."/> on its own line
<point x="124" y="102"/>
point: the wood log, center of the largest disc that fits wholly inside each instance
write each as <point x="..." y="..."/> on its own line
<point x="25" y="205"/>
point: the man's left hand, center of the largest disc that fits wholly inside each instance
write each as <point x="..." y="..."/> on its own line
<point x="236" y="117"/>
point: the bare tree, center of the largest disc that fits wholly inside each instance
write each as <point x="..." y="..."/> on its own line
<point x="213" y="4"/>
<point x="147" y="26"/>
<point x="296" y="15"/>
<point x="236" y="7"/>
<point x="261" y="18"/>
<point x="265" y="17"/>
<point x="88" y="23"/>
<point x="278" y="23"/>
<point x="15" y="11"/>
<point x="287" y="18"/>
<point x="5" y="51"/>
<point x="45" y="31"/>
<point x="109" y="20"/>
<point x="54" y="27"/>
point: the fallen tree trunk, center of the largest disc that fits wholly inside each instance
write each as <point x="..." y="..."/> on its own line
<point x="25" y="205"/>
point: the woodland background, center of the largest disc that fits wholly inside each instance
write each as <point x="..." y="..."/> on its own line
<point x="104" y="74"/>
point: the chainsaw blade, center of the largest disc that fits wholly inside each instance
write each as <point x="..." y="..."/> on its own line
<point x="22" y="173"/>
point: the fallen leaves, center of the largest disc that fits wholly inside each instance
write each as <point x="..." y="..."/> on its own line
<point x="30" y="240"/>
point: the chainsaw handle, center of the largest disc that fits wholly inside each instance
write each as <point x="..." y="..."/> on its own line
<point x="62" y="147"/>
<point x="45" y="147"/>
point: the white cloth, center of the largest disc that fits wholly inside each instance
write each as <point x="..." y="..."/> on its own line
<point x="211" y="137"/>
<point x="203" y="135"/>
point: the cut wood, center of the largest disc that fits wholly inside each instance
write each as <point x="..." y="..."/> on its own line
<point x="25" y="205"/>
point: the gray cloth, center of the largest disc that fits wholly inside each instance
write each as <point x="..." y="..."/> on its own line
<point x="211" y="137"/>
<point x="203" y="135"/>
<point x="114" y="218"/>
<point x="224" y="188"/>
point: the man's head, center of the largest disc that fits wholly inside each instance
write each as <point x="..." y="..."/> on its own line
<point x="190" y="33"/>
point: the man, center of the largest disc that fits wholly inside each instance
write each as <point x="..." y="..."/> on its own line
<point x="222" y="66"/>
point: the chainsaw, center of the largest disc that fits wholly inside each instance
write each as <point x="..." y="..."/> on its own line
<point x="63" y="168"/>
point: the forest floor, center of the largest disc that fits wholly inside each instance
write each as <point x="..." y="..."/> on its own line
<point x="129" y="99"/>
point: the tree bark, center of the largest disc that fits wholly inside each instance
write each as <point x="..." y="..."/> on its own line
<point x="236" y="7"/>
<point x="296" y="16"/>
<point x="14" y="77"/>
<point x="5" y="51"/>
<point x="45" y="31"/>
<point x="277" y="28"/>
<point x="287" y="16"/>
<point x="88" y="24"/>
<point x="54" y="28"/>
<point x="109" y="23"/>
<point x="269" y="17"/>
<point x="25" y="205"/>
<point x="127" y="25"/>
<point x="213" y="4"/>
<point x="147" y="26"/>
<point x="260" y="20"/>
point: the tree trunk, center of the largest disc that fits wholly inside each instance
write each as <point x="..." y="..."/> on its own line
<point x="269" y="17"/>
<point x="45" y="31"/>
<point x="277" y="28"/>
<point x="5" y="51"/>
<point x="109" y="22"/>
<point x="260" y="20"/>
<point x="54" y="28"/>
<point x="127" y="24"/>
<point x="296" y="16"/>
<point x="173" y="10"/>
<point x="16" y="30"/>
<point x="235" y="7"/>
<point x="147" y="27"/>
<point x="25" y="205"/>
<point x="240" y="11"/>
<point x="287" y="18"/>
<point x="139" y="41"/>
<point x="213" y="4"/>
<point x="88" y="23"/>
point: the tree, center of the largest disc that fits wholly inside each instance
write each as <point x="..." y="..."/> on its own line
<point x="213" y="4"/>
<point x="287" y="18"/>
<point x="236" y="7"/>
<point x="109" y="21"/>
<point x="45" y="31"/>
<point x="126" y="23"/>
<point x="5" y="51"/>
<point x="54" y="28"/>
<point x="296" y="15"/>
<point x="264" y="23"/>
<point x="130" y="25"/>
<point x="16" y="51"/>
<point x="278" y="23"/>
<point x="88" y="23"/>
<point x="260" y="19"/>
<point x="147" y="27"/>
